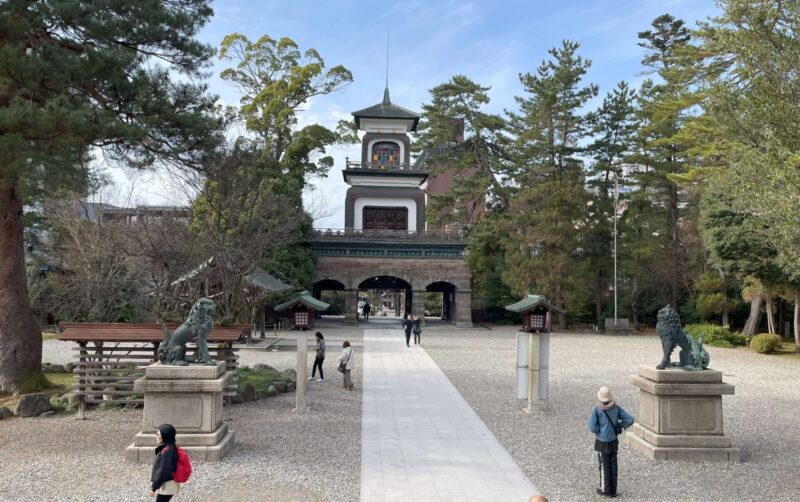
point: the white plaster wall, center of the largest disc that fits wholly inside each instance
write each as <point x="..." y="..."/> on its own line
<point x="362" y="202"/>
<point x="384" y="181"/>
<point x="386" y="125"/>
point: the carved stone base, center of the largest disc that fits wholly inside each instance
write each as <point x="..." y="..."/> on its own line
<point x="189" y="398"/>
<point x="680" y="416"/>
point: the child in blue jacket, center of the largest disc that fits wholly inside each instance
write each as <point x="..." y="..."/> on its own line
<point x="607" y="421"/>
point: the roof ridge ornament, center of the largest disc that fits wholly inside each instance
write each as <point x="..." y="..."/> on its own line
<point x="386" y="100"/>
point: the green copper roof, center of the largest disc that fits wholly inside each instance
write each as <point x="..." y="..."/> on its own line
<point x="386" y="110"/>
<point x="530" y="302"/>
<point x="266" y="281"/>
<point x="306" y="299"/>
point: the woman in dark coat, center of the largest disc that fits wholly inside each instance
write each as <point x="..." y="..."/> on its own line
<point x="163" y="487"/>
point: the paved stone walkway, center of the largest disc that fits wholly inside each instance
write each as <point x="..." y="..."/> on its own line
<point x="420" y="440"/>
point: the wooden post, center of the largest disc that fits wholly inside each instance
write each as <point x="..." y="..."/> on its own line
<point x="81" y="382"/>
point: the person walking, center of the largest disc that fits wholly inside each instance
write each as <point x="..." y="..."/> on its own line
<point x="346" y="365"/>
<point x="366" y="310"/>
<point x="408" y="325"/>
<point x="607" y="422"/>
<point x="417" y="330"/>
<point x="320" y="356"/>
<point x="162" y="486"/>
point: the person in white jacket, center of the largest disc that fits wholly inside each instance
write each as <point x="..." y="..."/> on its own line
<point x="346" y="363"/>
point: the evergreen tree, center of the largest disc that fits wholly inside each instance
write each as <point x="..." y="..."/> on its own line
<point x="78" y="78"/>
<point x="753" y="54"/>
<point x="548" y="216"/>
<point x="459" y="140"/>
<point x="664" y="154"/>
<point x="275" y="78"/>
<point x="613" y="127"/>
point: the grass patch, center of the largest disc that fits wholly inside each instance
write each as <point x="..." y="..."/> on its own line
<point x="261" y="379"/>
<point x="787" y="349"/>
<point x="50" y="336"/>
<point x="59" y="379"/>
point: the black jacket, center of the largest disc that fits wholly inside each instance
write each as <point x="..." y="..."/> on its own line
<point x="164" y="466"/>
<point x="408" y="325"/>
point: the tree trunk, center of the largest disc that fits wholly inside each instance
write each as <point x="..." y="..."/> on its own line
<point x="796" y="323"/>
<point x="725" y="309"/>
<point x="559" y="302"/>
<point x="634" y="306"/>
<point x="675" y="247"/>
<point x="20" y="335"/>
<point x="770" y="317"/>
<point x="598" y="299"/>
<point x="751" y="326"/>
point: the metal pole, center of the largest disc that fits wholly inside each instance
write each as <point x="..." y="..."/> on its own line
<point x="616" y="203"/>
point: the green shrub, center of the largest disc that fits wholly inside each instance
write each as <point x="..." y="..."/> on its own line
<point x="260" y="378"/>
<point x="725" y="344"/>
<point x="715" y="335"/>
<point x="765" y="343"/>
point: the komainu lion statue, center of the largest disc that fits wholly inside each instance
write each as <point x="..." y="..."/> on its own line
<point x="693" y="357"/>
<point x="195" y="328"/>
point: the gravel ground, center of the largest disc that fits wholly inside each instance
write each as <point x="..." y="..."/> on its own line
<point x="279" y="455"/>
<point x="555" y="448"/>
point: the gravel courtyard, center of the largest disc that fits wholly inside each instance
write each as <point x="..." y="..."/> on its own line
<point x="284" y="456"/>
<point x="279" y="455"/>
<point x="555" y="448"/>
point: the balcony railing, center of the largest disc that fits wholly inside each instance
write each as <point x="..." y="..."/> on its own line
<point x="371" y="166"/>
<point x="352" y="234"/>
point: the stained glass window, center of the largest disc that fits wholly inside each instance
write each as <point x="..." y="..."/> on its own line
<point x="385" y="153"/>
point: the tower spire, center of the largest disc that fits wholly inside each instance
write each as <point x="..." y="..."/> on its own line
<point x="386" y="100"/>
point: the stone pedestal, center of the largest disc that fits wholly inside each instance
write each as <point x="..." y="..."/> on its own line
<point x="680" y="416"/>
<point x="189" y="398"/>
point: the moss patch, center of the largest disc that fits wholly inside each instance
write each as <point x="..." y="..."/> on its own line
<point x="54" y="384"/>
<point x="261" y="379"/>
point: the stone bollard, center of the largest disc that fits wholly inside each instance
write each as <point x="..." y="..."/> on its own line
<point x="301" y="395"/>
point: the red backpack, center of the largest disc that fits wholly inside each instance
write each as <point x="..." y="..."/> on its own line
<point x="184" y="469"/>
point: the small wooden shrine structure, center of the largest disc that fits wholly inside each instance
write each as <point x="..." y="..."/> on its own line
<point x="303" y="306"/>
<point x="536" y="313"/>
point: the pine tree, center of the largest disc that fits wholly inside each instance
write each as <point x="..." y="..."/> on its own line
<point x="459" y="140"/>
<point x="752" y="55"/>
<point x="665" y="107"/>
<point x="547" y="218"/>
<point x="77" y="79"/>
<point x="613" y="127"/>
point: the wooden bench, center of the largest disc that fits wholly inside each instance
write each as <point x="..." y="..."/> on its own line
<point x="110" y="356"/>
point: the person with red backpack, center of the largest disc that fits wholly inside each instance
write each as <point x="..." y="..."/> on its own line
<point x="171" y="466"/>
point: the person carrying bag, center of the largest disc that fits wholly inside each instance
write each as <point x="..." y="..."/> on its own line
<point x="607" y="422"/>
<point x="346" y="365"/>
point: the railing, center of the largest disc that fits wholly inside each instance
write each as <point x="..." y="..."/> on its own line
<point x="353" y="234"/>
<point x="397" y="166"/>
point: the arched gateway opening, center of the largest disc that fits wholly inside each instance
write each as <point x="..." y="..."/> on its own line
<point x="331" y="292"/>
<point x="440" y="301"/>
<point x="389" y="297"/>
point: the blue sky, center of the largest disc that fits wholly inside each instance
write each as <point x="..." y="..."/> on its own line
<point x="429" y="41"/>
